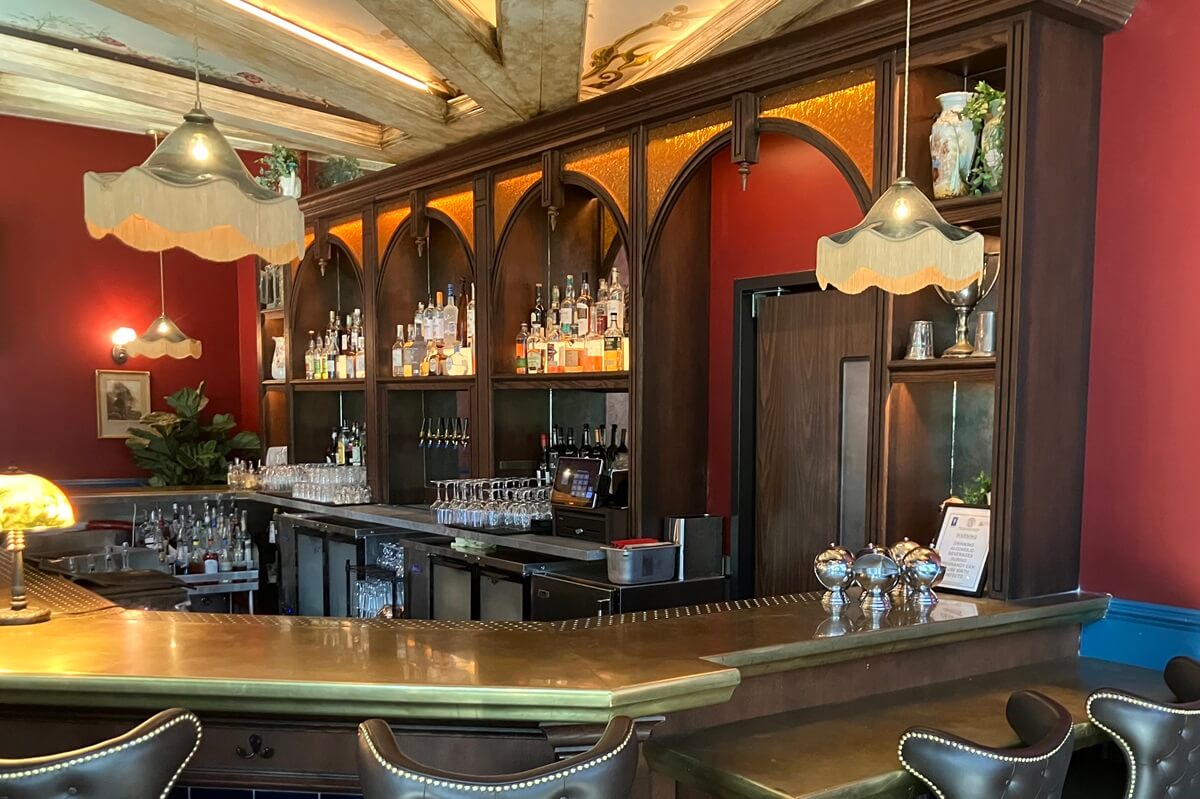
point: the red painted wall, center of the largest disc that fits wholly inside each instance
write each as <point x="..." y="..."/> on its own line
<point x="794" y="196"/>
<point x="62" y="293"/>
<point x="1139" y="532"/>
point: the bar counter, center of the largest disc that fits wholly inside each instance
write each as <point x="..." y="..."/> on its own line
<point x="92" y="654"/>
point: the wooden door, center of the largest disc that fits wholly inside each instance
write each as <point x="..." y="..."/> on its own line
<point x="812" y="410"/>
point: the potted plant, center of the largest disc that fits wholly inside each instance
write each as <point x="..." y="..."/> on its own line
<point x="179" y="449"/>
<point x="985" y="109"/>
<point x="338" y="170"/>
<point x="280" y="171"/>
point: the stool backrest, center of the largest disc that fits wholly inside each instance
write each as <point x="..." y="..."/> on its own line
<point x="605" y="771"/>
<point x="141" y="764"/>
<point x="1161" y="741"/>
<point x="955" y="768"/>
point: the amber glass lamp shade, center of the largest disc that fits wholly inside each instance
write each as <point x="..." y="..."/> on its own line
<point x="28" y="504"/>
<point x="194" y="192"/>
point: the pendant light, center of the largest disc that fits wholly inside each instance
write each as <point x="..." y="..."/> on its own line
<point x="903" y="244"/>
<point x="194" y="192"/>
<point x="164" y="337"/>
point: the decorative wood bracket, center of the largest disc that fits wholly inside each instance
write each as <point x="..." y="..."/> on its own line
<point x="553" y="192"/>
<point x="743" y="150"/>
<point x="420" y="222"/>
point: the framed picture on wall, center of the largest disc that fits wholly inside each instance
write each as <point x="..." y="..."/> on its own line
<point x="963" y="542"/>
<point x="122" y="398"/>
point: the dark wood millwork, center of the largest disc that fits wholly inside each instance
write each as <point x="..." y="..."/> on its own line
<point x="1044" y="53"/>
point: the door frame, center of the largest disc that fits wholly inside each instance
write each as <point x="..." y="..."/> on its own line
<point x="743" y="427"/>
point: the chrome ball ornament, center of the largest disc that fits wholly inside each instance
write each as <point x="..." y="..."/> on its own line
<point x="898" y="551"/>
<point x="923" y="570"/>
<point x="876" y="573"/>
<point x="835" y="571"/>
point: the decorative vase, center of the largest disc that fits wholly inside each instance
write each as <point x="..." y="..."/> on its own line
<point x="991" y="144"/>
<point x="289" y="185"/>
<point x="279" y="359"/>
<point x="952" y="146"/>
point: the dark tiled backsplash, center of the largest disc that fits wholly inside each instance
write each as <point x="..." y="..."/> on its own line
<point x="183" y="792"/>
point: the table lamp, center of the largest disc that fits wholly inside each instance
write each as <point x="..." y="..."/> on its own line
<point x="28" y="504"/>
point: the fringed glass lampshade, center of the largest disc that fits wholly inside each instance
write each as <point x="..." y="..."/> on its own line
<point x="902" y="246"/>
<point x="194" y="192"/>
<point x="164" y="337"/>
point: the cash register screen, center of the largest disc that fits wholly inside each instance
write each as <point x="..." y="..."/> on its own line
<point x="577" y="482"/>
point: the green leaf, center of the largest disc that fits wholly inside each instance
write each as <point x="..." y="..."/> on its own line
<point x="220" y="423"/>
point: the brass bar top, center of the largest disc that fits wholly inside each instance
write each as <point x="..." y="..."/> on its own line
<point x="585" y="670"/>
<point x="848" y="751"/>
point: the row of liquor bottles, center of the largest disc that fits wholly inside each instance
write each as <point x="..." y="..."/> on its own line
<point x="577" y="333"/>
<point x="590" y="444"/>
<point x="340" y="353"/>
<point x="216" y="540"/>
<point x="347" y="444"/>
<point x="441" y="338"/>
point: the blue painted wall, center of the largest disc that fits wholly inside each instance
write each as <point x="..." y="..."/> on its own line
<point x="1142" y="634"/>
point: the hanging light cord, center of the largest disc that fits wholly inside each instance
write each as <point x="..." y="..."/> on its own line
<point x="162" y="291"/>
<point x="196" y="50"/>
<point x="904" y="118"/>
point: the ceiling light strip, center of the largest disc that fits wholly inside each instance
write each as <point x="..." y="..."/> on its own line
<point x="328" y="44"/>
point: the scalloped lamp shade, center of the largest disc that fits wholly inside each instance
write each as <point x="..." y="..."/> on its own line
<point x="194" y="192"/>
<point x="30" y="504"/>
<point x="902" y="246"/>
<point x="164" y="337"/>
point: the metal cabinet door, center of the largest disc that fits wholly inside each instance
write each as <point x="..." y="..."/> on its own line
<point x="452" y="589"/>
<point x="557" y="599"/>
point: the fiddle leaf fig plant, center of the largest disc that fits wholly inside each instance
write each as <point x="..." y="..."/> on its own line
<point x="180" y="449"/>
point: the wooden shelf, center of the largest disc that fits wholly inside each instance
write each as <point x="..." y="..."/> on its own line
<point x="271" y="313"/>
<point x="971" y="210"/>
<point x="435" y="383"/>
<point x="328" y="385"/>
<point x="586" y="381"/>
<point x="270" y="384"/>
<point x="942" y="369"/>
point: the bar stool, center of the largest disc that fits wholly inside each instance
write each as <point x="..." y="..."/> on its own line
<point x="955" y="768"/>
<point x="1161" y="742"/>
<point x="141" y="764"/>
<point x="605" y="771"/>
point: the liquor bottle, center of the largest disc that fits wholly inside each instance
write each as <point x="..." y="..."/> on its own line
<point x="600" y="309"/>
<point x="554" y="349"/>
<point x="621" y="461"/>
<point x="196" y="559"/>
<point x="211" y="556"/>
<point x="535" y="351"/>
<point x="612" y="344"/>
<point x="456" y="362"/>
<point x="519" y="350"/>
<point x="566" y="311"/>
<point x="553" y="317"/>
<point x="598" y="444"/>
<point x="397" y="354"/>
<point x="616" y="299"/>
<point x="544" y="474"/>
<point x="442" y="359"/>
<point x="419" y="319"/>
<point x="539" y="310"/>
<point x="331" y="356"/>
<point x="593" y="347"/>
<point x="413" y="349"/>
<point x="310" y="357"/>
<point x="341" y="341"/>
<point x="318" y="359"/>
<point x="583" y="310"/>
<point x="429" y="322"/>
<point x="556" y="448"/>
<point x="360" y="346"/>
<point x="569" y="449"/>
<point x="610" y="454"/>
<point x="450" y="318"/>
<point x="572" y="354"/>
<point x="224" y="561"/>
<point x="471" y="318"/>
<point x="585" y="441"/>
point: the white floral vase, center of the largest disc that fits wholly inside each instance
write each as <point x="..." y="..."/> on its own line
<point x="952" y="146"/>
<point x="991" y="141"/>
<point x="279" y="359"/>
<point x="289" y="185"/>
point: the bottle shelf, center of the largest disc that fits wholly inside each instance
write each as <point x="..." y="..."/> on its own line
<point x="971" y="210"/>
<point x="584" y="381"/>
<point x="274" y="384"/>
<point x="271" y="313"/>
<point x="328" y="385"/>
<point x="942" y="369"/>
<point x="436" y="382"/>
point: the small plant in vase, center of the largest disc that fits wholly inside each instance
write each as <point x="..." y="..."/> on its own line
<point x="280" y="171"/>
<point x="985" y="109"/>
<point x="979" y="490"/>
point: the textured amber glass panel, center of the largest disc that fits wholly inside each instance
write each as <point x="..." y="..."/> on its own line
<point x="607" y="163"/>
<point x="845" y="114"/>
<point x="511" y="187"/>
<point x="459" y="205"/>
<point x="350" y="232"/>
<point x="310" y="236"/>
<point x="672" y="145"/>
<point x="389" y="220"/>
<point x="610" y="231"/>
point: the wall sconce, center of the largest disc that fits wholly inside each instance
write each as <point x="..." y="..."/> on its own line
<point x="122" y="337"/>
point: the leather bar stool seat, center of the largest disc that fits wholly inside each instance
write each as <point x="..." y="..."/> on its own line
<point x="141" y="764"/>
<point x="605" y="771"/>
<point x="1161" y="741"/>
<point x="955" y="768"/>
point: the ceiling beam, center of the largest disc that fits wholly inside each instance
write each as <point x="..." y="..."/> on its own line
<point x="737" y="24"/>
<point x="459" y="45"/>
<point x="541" y="44"/>
<point x="293" y="61"/>
<point x="273" y="120"/>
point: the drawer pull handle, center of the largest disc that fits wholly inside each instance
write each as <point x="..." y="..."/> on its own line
<point x="256" y="750"/>
<point x="578" y="531"/>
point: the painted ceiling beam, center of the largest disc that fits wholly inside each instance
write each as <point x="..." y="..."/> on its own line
<point x="461" y="46"/>
<point x="270" y="119"/>
<point x="296" y="62"/>
<point x="541" y="44"/>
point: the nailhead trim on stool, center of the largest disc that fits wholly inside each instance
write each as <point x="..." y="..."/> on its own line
<point x="1136" y="702"/>
<point x="973" y="750"/>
